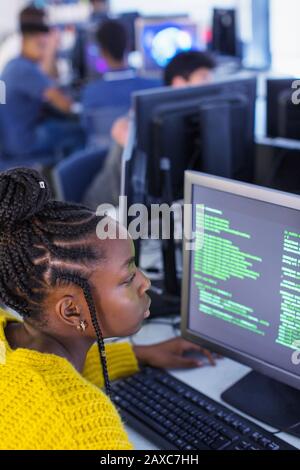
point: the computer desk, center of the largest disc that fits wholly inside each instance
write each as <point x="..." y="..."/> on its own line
<point x="212" y="381"/>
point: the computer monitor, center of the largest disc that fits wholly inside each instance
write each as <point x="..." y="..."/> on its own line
<point x="283" y="116"/>
<point x="160" y="39"/>
<point x="128" y="20"/>
<point x="208" y="128"/>
<point x="224" y="40"/>
<point x="241" y="288"/>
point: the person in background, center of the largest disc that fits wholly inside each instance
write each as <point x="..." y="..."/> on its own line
<point x="185" y="69"/>
<point x="107" y="98"/>
<point x="188" y="69"/>
<point x="99" y="14"/>
<point x="99" y="9"/>
<point x="116" y="86"/>
<point x="11" y="47"/>
<point x="30" y="93"/>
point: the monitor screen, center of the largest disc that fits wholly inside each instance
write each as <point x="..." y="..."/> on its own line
<point x="242" y="278"/>
<point x="160" y="40"/>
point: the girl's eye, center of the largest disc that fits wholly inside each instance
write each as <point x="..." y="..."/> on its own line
<point x="129" y="281"/>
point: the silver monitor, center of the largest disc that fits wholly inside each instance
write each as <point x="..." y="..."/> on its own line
<point x="241" y="284"/>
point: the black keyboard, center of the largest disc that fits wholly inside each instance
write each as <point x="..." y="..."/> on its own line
<point x="177" y="417"/>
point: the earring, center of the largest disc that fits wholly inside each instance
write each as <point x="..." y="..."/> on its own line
<point x="81" y="326"/>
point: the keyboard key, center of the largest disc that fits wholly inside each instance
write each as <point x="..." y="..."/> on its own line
<point x="245" y="444"/>
<point x="264" y="441"/>
<point x="256" y="436"/>
<point x="208" y="441"/>
<point x="180" y="443"/>
<point x="231" y="435"/>
<point x="220" y="443"/>
<point x="273" y="446"/>
<point x="172" y="437"/>
<point x="210" y="408"/>
<point x="244" y="429"/>
<point x="213" y="434"/>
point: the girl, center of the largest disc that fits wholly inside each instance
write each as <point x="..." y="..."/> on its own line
<point x="71" y="290"/>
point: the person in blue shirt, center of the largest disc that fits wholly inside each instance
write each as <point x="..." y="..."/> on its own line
<point x="116" y="86"/>
<point x="188" y="68"/>
<point x="28" y="126"/>
<point x="107" y="98"/>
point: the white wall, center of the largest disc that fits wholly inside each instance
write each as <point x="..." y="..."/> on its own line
<point x="9" y="10"/>
<point x="285" y="36"/>
<point x="200" y="10"/>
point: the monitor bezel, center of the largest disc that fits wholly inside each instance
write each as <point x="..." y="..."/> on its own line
<point x="256" y="193"/>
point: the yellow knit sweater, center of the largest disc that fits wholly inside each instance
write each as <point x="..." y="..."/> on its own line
<point x="46" y="404"/>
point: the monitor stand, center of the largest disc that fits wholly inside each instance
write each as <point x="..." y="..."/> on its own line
<point x="266" y="400"/>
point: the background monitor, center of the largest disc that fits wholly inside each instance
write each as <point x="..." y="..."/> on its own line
<point x="241" y="287"/>
<point x="159" y="40"/>
<point x="128" y="20"/>
<point x="208" y="128"/>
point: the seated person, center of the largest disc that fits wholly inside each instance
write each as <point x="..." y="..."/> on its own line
<point x="116" y="86"/>
<point x="186" y="69"/>
<point x="73" y="291"/>
<point x="28" y="130"/>
<point x="99" y="14"/>
<point x="11" y="47"/>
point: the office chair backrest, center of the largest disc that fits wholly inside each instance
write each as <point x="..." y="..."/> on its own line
<point x="73" y="175"/>
<point x="99" y="122"/>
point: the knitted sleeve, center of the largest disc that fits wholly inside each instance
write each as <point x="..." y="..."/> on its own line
<point x="121" y="362"/>
<point x="95" y="424"/>
<point x="56" y="411"/>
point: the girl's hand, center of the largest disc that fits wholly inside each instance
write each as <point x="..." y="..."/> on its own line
<point x="170" y="354"/>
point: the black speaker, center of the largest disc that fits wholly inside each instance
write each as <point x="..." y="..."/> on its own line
<point x="224" y="39"/>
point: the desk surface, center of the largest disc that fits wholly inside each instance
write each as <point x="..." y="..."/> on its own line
<point x="212" y="381"/>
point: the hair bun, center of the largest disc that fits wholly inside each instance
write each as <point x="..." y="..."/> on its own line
<point x="23" y="194"/>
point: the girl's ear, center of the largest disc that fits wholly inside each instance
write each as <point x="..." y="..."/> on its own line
<point x="69" y="311"/>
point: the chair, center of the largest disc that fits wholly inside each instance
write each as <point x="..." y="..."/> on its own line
<point x="8" y="161"/>
<point x="98" y="123"/>
<point x="72" y="176"/>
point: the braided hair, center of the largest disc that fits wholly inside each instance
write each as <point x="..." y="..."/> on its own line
<point x="40" y="239"/>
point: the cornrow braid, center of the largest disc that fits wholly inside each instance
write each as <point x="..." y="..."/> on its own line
<point x="37" y="234"/>
<point x="84" y="285"/>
